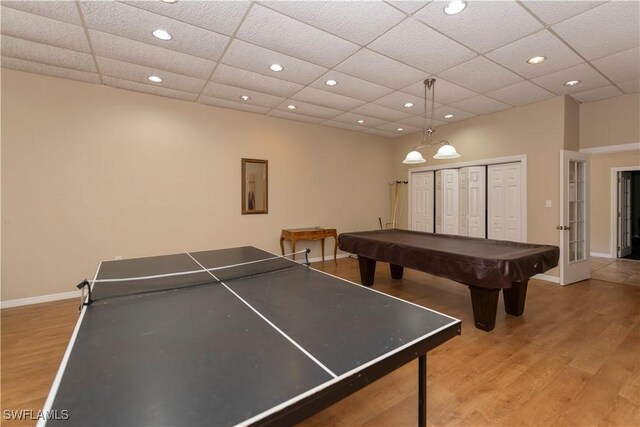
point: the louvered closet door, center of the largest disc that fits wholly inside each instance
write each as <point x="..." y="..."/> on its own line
<point x="422" y="201"/>
<point x="505" y="211"/>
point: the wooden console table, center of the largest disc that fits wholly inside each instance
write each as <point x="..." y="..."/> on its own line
<point x="314" y="233"/>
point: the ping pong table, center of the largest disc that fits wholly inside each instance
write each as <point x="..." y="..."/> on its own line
<point x="234" y="336"/>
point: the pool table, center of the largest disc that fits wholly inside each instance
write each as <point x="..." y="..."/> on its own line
<point x="485" y="265"/>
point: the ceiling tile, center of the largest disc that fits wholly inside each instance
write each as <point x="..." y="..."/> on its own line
<point x="352" y="119"/>
<point x="43" y="30"/>
<point x="272" y="30"/>
<point x="483" y="25"/>
<point x="51" y="55"/>
<point x="514" y="56"/>
<point x="327" y="99"/>
<point x="308" y="109"/>
<point x="617" y="19"/>
<point x="232" y="93"/>
<point x="293" y="116"/>
<point x="360" y="21"/>
<point x="225" y="103"/>
<point x="350" y="86"/>
<point x="393" y="127"/>
<point x="380" y="112"/>
<point x="552" y="12"/>
<point x="409" y="6"/>
<point x="219" y="16"/>
<point x="140" y="74"/>
<point x="597" y="94"/>
<point x="49" y="70"/>
<point x="115" y="18"/>
<point x="521" y="94"/>
<point x="379" y="69"/>
<point x="341" y="125"/>
<point x="457" y="114"/>
<point x="554" y="82"/>
<point x="480" y="75"/>
<point x="126" y="50"/>
<point x="254" y="81"/>
<point x="481" y="105"/>
<point x="445" y="92"/>
<point x="65" y="11"/>
<point x="631" y="86"/>
<point x="417" y="45"/>
<point x="396" y="100"/>
<point x="620" y="67"/>
<point x="418" y="122"/>
<point x="255" y="58"/>
<point x="154" y="90"/>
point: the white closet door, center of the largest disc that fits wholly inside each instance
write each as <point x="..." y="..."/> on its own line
<point x="476" y="215"/>
<point x="447" y="201"/>
<point x="464" y="202"/>
<point x="505" y="212"/>
<point x="422" y="184"/>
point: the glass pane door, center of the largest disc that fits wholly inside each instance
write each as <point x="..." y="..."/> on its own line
<point x="577" y="214"/>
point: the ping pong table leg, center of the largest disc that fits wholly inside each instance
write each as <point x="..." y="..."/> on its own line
<point x="422" y="391"/>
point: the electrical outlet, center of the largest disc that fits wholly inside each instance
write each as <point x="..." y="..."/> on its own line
<point x="547" y="204"/>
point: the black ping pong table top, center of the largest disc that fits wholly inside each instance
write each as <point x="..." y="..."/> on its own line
<point x="263" y="349"/>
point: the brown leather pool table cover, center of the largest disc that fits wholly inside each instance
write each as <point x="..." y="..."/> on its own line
<point x="469" y="260"/>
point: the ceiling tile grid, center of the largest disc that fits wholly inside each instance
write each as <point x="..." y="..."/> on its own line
<point x="378" y="53"/>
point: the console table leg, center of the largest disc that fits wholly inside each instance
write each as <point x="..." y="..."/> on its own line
<point x="367" y="270"/>
<point x="396" y="271"/>
<point x="422" y="391"/>
<point x="514" y="298"/>
<point x="322" y="240"/>
<point x="485" y="305"/>
<point x="282" y="245"/>
<point x="293" y="248"/>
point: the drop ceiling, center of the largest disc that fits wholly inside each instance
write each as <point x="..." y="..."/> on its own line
<point x="378" y="52"/>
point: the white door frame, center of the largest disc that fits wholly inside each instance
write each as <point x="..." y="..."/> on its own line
<point x="482" y="162"/>
<point x="613" y="246"/>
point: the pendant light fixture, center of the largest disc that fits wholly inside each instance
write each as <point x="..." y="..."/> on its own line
<point x="446" y="151"/>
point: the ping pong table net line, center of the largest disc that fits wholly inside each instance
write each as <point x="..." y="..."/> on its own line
<point x="86" y="298"/>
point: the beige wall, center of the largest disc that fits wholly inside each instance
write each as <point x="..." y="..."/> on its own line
<point x="536" y="130"/>
<point x="571" y="124"/>
<point x="601" y="202"/>
<point x="613" y="121"/>
<point x="90" y="172"/>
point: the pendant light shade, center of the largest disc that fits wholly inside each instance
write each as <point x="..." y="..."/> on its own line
<point x="413" y="158"/>
<point x="446" y="152"/>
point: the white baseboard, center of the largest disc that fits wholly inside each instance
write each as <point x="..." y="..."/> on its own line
<point x="326" y="257"/>
<point x="39" y="299"/>
<point x="601" y="255"/>
<point x="547" y="278"/>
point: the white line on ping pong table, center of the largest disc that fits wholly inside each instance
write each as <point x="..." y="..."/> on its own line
<point x="309" y="355"/>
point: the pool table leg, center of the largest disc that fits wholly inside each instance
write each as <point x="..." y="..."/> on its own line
<point x="367" y="270"/>
<point x="396" y="271"/>
<point x="485" y="305"/>
<point x="514" y="298"/>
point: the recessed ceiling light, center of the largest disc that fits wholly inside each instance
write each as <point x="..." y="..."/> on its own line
<point x="572" y="82"/>
<point x="161" y="34"/>
<point x="291" y="107"/>
<point x="331" y="82"/>
<point x="400" y="129"/>
<point x="169" y="1"/>
<point x="155" y="79"/>
<point x="454" y="7"/>
<point x="408" y="105"/>
<point x="536" y="60"/>
<point x="361" y="121"/>
<point x="276" y="67"/>
<point x="245" y="97"/>
<point x="448" y="116"/>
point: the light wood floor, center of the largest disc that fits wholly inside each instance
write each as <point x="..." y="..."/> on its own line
<point x="572" y="359"/>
